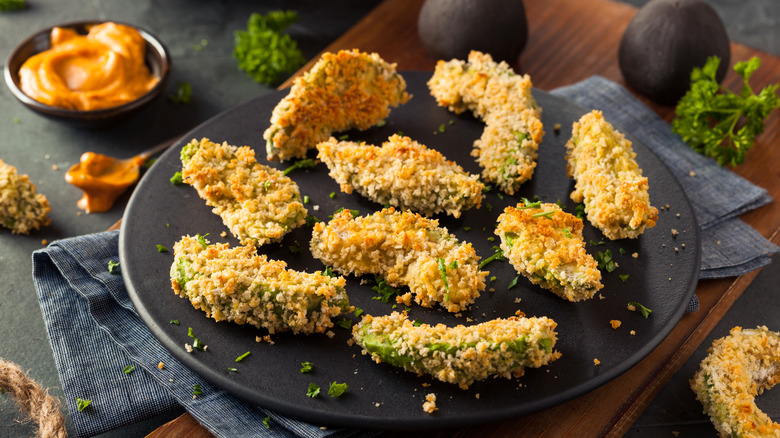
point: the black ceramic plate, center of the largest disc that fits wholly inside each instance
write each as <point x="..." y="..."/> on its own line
<point x="662" y="278"/>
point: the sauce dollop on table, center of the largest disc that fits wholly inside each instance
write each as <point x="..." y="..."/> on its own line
<point x="102" y="69"/>
<point x="103" y="179"/>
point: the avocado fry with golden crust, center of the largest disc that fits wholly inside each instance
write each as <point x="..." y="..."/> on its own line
<point x="608" y="179"/>
<point x="507" y="149"/>
<point x="739" y="367"/>
<point x="460" y="354"/>
<point x="238" y="285"/>
<point x="544" y="244"/>
<point x="406" y="249"/>
<point x="402" y="173"/>
<point x="345" y="90"/>
<point x="22" y="208"/>
<point x="256" y="202"/>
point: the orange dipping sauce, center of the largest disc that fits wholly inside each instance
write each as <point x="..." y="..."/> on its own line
<point x="102" y="179"/>
<point x="102" y="69"/>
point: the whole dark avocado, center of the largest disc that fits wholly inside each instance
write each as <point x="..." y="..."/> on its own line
<point x="452" y="28"/>
<point x="664" y="41"/>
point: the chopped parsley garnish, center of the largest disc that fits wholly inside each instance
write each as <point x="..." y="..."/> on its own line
<point x="441" y="128"/>
<point x="528" y="204"/>
<point x="313" y="391"/>
<point x="498" y="254"/>
<point x="381" y="123"/>
<point x="176" y="179"/>
<point x="500" y="196"/>
<point x="311" y="220"/>
<point x="295" y="247"/>
<point x="202" y="239"/>
<point x="466" y="228"/>
<point x="196" y="343"/>
<point x="243" y="356"/>
<point x="328" y="272"/>
<point x="622" y="251"/>
<point x="623" y="277"/>
<point x="267" y="185"/>
<point x="300" y="164"/>
<point x="306" y="367"/>
<point x="642" y="309"/>
<point x="358" y="312"/>
<point x="567" y="233"/>
<point x="332" y="195"/>
<point x="182" y="95"/>
<point x="161" y="248"/>
<point x="452" y="122"/>
<point x="417" y="322"/>
<point x="263" y="51"/>
<point x="487" y="188"/>
<point x="384" y="290"/>
<point x="337" y="389"/>
<point x="129" y="369"/>
<point x="305" y="199"/>
<point x="197" y="390"/>
<point x="12" y="5"/>
<point x="267" y="422"/>
<point x="489" y="206"/>
<point x="400" y="133"/>
<point x="344" y="323"/>
<point x="453" y="264"/>
<point x="600" y="242"/>
<point x="232" y="369"/>
<point x="82" y="403"/>
<point x="491" y="239"/>
<point x="175" y="321"/>
<point x="605" y="261"/>
<point x="112" y="265"/>
<point x="343" y="137"/>
<point x="719" y="123"/>
<point x="493" y="278"/>
<point x="513" y="283"/>
<point x="579" y="211"/>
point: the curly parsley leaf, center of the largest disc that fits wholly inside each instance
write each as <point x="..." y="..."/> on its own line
<point x="12" y="5"/>
<point x="719" y="123"/>
<point x="262" y="51"/>
<point x="642" y="309"/>
<point x="337" y="389"/>
<point x="313" y="391"/>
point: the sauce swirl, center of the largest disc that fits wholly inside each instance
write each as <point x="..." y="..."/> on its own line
<point x="102" y="69"/>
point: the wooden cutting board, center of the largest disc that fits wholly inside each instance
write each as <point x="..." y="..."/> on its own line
<point x="571" y="40"/>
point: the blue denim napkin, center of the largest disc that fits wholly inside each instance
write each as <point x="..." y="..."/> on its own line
<point x="95" y="332"/>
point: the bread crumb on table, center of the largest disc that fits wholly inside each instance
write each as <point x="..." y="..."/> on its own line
<point x="615" y="323"/>
<point x="430" y="404"/>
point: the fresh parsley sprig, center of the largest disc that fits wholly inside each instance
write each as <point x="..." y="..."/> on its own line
<point x="719" y="123"/>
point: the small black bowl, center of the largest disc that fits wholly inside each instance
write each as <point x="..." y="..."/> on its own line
<point x="157" y="59"/>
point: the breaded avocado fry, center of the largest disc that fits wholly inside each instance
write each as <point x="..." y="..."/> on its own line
<point x="346" y="90"/>
<point x="461" y="354"/>
<point x="737" y="368"/>
<point x="507" y="149"/>
<point x="256" y="202"/>
<point x="544" y="244"/>
<point x="406" y="249"/>
<point x="22" y="208"/>
<point x="402" y="173"/>
<point x="608" y="179"/>
<point x="238" y="285"/>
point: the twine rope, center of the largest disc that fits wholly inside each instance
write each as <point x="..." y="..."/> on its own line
<point x="36" y="402"/>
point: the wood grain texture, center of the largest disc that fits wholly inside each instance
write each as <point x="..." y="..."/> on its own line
<point x="571" y="40"/>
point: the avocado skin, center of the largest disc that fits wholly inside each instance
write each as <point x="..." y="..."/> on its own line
<point x="665" y="41"/>
<point x="452" y="28"/>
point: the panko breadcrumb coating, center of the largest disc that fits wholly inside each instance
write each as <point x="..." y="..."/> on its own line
<point x="22" y="208"/>
<point x="238" y="285"/>
<point x="738" y="368"/>
<point x="346" y="90"/>
<point x="507" y="149"/>
<point x="405" y="249"/>
<point x="544" y="244"/>
<point x="256" y="202"/>
<point x="460" y="354"/>
<point x="402" y="173"/>
<point x="608" y="179"/>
